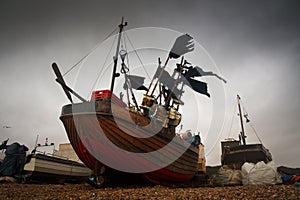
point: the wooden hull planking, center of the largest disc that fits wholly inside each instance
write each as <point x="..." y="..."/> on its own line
<point x="86" y="132"/>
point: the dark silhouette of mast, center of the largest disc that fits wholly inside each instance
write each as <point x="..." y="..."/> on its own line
<point x="114" y="74"/>
<point x="243" y="136"/>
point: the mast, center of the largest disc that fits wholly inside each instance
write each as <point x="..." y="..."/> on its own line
<point x="114" y="74"/>
<point x="243" y="137"/>
<point x="175" y="84"/>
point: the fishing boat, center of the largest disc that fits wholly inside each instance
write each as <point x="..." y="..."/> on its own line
<point x="48" y="168"/>
<point x="41" y="165"/>
<point x="115" y="137"/>
<point x="45" y="166"/>
<point x="236" y="152"/>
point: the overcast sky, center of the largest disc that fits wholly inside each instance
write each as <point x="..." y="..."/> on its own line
<point x="255" y="44"/>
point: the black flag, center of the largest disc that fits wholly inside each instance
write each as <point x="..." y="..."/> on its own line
<point x="136" y="82"/>
<point x="167" y="80"/>
<point x="198" y="71"/>
<point x="198" y="86"/>
<point x="183" y="44"/>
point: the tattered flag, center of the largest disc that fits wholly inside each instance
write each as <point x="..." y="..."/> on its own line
<point x="198" y="71"/>
<point x="136" y="82"/>
<point x="198" y="86"/>
<point x="167" y="80"/>
<point x="183" y="44"/>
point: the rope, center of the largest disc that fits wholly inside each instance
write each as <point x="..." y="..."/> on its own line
<point x="70" y="69"/>
<point x="137" y="55"/>
<point x="127" y="56"/>
<point x="234" y="112"/>
<point x="126" y="78"/>
<point x="91" y="51"/>
<point x="246" y="113"/>
<point x="255" y="132"/>
<point x="98" y="76"/>
<point x="214" y="145"/>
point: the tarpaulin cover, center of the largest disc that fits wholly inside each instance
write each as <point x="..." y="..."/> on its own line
<point x="260" y="174"/>
<point x="14" y="159"/>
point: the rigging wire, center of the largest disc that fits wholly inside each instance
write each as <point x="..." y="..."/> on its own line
<point x="89" y="53"/>
<point x="255" y="132"/>
<point x="251" y="125"/>
<point x="79" y="61"/>
<point x="137" y="55"/>
<point x="127" y="56"/>
<point x="233" y="117"/>
<point x="127" y="62"/>
<point x="101" y="68"/>
<point x="126" y="70"/>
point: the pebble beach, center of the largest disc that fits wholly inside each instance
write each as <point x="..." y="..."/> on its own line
<point x="85" y="191"/>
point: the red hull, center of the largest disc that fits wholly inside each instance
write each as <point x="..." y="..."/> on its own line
<point x="87" y="134"/>
<point x="167" y="177"/>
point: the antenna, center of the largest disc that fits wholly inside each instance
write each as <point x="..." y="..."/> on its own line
<point x="243" y="137"/>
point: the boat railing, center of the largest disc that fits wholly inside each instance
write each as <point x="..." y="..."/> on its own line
<point x="248" y="146"/>
<point x="52" y="155"/>
<point x="57" y="156"/>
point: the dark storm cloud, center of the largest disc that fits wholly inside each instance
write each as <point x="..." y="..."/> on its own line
<point x="255" y="44"/>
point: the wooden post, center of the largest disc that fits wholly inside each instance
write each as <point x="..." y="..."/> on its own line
<point x="121" y="26"/>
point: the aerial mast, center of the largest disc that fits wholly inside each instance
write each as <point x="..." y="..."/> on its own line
<point x="243" y="136"/>
<point x="114" y="74"/>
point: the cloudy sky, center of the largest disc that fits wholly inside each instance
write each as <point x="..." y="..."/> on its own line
<point x="255" y="44"/>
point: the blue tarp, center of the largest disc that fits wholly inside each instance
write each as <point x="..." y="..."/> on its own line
<point x="194" y="140"/>
<point x="14" y="160"/>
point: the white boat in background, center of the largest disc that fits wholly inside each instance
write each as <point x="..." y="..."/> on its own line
<point x="60" y="166"/>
